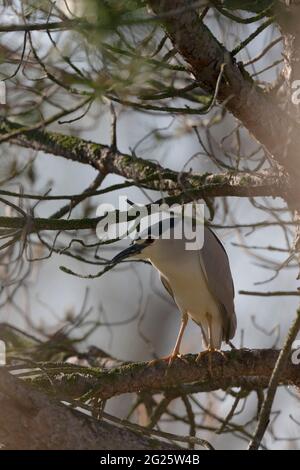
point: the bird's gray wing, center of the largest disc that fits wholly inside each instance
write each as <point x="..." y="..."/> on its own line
<point x="215" y="264"/>
<point x="166" y="285"/>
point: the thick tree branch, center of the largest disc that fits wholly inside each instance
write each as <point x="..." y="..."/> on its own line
<point x="148" y="174"/>
<point x="38" y="224"/>
<point x="237" y="367"/>
<point x="257" y="111"/>
<point x="29" y="419"/>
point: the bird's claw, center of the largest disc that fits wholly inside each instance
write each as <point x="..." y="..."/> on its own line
<point x="169" y="359"/>
<point x="210" y="352"/>
<point x="173" y="357"/>
<point x="204" y="353"/>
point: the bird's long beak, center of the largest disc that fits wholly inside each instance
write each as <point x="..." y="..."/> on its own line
<point x="130" y="251"/>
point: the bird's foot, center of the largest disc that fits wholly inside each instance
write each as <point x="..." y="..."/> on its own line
<point x="172" y="358"/>
<point x="204" y="353"/>
<point x="169" y="359"/>
<point x="153" y="362"/>
<point x="210" y="352"/>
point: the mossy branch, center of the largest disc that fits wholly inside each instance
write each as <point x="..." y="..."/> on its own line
<point x="250" y="369"/>
<point x="146" y="173"/>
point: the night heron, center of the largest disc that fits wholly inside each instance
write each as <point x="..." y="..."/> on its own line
<point x="200" y="283"/>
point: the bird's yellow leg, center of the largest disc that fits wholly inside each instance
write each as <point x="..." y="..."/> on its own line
<point x="175" y="352"/>
<point x="210" y="345"/>
<point x="211" y="348"/>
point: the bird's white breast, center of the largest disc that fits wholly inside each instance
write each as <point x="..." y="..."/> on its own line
<point x="183" y="271"/>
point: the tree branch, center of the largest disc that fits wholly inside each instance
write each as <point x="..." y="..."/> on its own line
<point x="256" y="110"/>
<point x="252" y="367"/>
<point x="45" y="26"/>
<point x="281" y="363"/>
<point x="148" y="174"/>
<point x="30" y="419"/>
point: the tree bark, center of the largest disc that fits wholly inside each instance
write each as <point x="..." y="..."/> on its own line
<point x="30" y="420"/>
